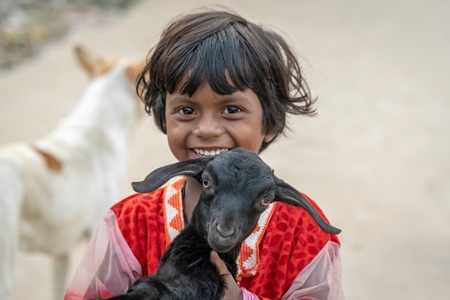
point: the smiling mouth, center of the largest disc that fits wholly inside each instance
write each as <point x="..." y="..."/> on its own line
<point x="210" y="152"/>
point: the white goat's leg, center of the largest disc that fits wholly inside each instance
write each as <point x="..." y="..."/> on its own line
<point x="11" y="198"/>
<point x="60" y="269"/>
<point x="8" y="249"/>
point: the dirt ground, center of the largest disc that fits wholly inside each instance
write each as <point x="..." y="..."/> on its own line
<point x="376" y="157"/>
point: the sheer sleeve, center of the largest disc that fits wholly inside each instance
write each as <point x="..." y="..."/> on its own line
<point x="108" y="266"/>
<point x="321" y="279"/>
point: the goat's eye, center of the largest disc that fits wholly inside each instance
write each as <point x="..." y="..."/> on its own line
<point x="265" y="201"/>
<point x="206" y="184"/>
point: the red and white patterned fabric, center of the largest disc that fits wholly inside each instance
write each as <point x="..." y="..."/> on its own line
<point x="288" y="256"/>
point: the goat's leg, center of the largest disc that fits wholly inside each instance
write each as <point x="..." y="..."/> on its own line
<point x="60" y="269"/>
<point x="8" y="249"/>
<point x="11" y="199"/>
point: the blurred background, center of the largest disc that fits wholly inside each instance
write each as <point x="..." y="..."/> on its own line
<point x="376" y="157"/>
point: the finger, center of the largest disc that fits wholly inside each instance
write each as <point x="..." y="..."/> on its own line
<point x="233" y="291"/>
<point x="219" y="263"/>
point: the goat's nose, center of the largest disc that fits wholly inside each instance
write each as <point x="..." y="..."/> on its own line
<point x="225" y="231"/>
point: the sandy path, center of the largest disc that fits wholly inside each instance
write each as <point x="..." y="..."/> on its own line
<point x="375" y="158"/>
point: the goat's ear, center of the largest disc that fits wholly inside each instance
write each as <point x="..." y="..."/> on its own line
<point x="192" y="167"/>
<point x="287" y="194"/>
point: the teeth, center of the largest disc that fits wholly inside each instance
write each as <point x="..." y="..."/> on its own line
<point x="210" y="152"/>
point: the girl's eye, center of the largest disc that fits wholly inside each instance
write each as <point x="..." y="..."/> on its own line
<point x="187" y="110"/>
<point x="232" y="110"/>
<point x="265" y="201"/>
<point x="206" y="184"/>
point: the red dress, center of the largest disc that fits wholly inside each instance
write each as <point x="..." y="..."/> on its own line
<point x="273" y="260"/>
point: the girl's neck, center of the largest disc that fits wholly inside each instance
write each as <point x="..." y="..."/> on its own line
<point x="192" y="193"/>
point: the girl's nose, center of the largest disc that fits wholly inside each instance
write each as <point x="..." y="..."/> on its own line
<point x="208" y="127"/>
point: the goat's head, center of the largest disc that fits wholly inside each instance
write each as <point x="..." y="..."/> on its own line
<point x="237" y="188"/>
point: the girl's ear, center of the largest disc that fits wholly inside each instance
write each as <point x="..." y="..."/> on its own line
<point x="287" y="194"/>
<point x="192" y="167"/>
<point x="269" y="137"/>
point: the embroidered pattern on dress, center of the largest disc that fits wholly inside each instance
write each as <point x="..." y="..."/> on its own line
<point x="173" y="209"/>
<point x="248" y="259"/>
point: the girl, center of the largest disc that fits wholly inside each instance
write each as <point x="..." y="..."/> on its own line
<point x="215" y="82"/>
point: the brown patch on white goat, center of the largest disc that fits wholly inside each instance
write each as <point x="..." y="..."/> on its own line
<point x="53" y="164"/>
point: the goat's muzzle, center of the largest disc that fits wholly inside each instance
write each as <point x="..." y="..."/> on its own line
<point x="222" y="238"/>
<point x="224" y="231"/>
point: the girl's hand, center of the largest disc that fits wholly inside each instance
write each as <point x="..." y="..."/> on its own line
<point x="233" y="291"/>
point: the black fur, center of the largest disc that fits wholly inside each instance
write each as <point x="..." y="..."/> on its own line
<point x="238" y="186"/>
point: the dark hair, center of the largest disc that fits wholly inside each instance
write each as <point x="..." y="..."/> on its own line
<point x="205" y="46"/>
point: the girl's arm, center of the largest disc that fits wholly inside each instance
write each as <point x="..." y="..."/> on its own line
<point x="108" y="266"/>
<point x="321" y="279"/>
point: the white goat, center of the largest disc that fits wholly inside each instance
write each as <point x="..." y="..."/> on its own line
<point x="53" y="192"/>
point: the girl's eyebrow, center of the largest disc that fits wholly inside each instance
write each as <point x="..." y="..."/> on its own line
<point x="239" y="97"/>
<point x="180" y="98"/>
<point x="235" y="97"/>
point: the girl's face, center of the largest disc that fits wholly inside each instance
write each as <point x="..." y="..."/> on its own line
<point x="208" y="123"/>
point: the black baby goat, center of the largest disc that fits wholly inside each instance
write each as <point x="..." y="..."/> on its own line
<point x="237" y="187"/>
